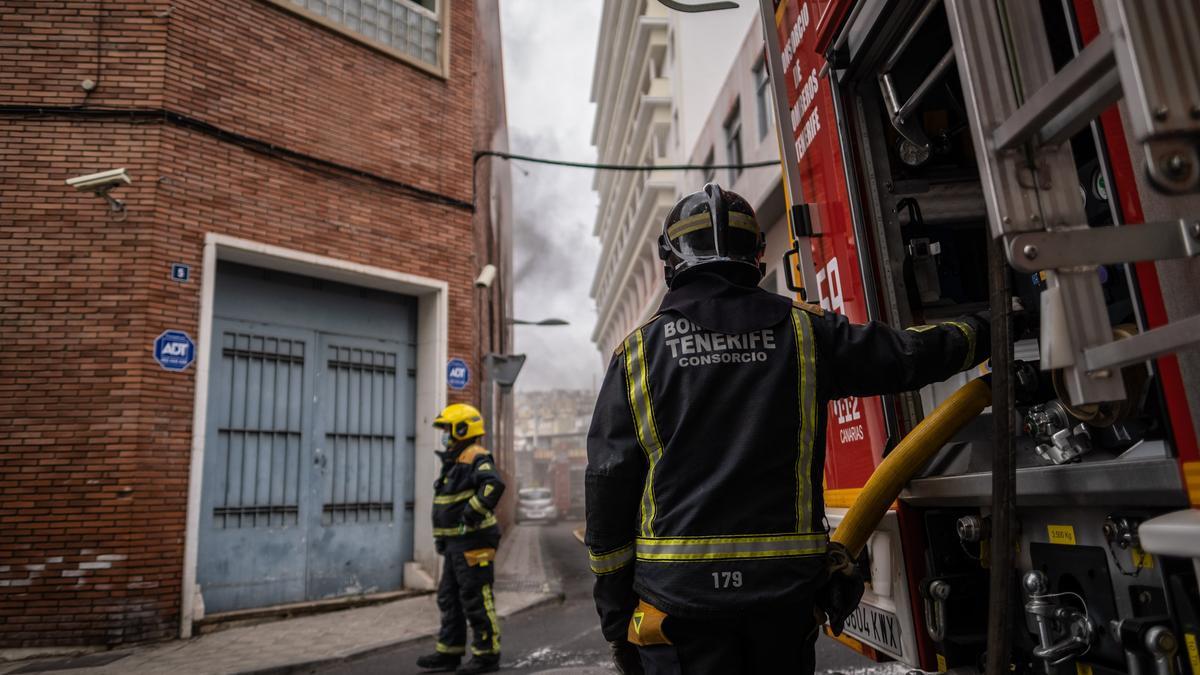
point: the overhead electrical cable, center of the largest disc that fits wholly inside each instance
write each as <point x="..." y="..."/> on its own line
<point x="297" y="157"/>
<point x="622" y="167"/>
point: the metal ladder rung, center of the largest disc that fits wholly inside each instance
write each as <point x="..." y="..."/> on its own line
<point x="1087" y="246"/>
<point x="1068" y="102"/>
<point x="1165" y="339"/>
<point x="1080" y="112"/>
<point x="996" y="43"/>
<point x="923" y="89"/>
<point x="1014" y="96"/>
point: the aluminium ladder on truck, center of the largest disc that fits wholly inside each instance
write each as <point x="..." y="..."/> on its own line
<point x="1022" y="114"/>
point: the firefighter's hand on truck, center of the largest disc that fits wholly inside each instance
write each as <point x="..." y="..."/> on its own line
<point x="842" y="591"/>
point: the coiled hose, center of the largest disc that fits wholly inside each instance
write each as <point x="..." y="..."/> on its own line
<point x="907" y="458"/>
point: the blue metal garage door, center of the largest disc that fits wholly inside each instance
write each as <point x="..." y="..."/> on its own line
<point x="308" y="471"/>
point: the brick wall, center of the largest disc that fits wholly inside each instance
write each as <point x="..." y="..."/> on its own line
<point x="94" y="437"/>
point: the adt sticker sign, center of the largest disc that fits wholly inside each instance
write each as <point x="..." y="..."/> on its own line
<point x="174" y="350"/>
<point x="457" y="374"/>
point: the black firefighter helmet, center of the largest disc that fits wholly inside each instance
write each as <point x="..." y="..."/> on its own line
<point x="712" y="225"/>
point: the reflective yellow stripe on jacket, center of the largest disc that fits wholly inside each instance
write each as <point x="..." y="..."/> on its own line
<point x="968" y="333"/>
<point x="692" y="549"/>
<point x="607" y="563"/>
<point x="464" y="529"/>
<point x="699" y="549"/>
<point x="482" y="510"/>
<point x="806" y="367"/>
<point x="454" y="498"/>
<point x="643" y="421"/>
<point x="965" y="329"/>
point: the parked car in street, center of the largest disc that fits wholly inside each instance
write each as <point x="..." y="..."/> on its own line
<point x="536" y="503"/>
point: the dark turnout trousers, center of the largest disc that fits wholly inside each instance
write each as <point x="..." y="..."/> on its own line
<point x="465" y="595"/>
<point x="770" y="642"/>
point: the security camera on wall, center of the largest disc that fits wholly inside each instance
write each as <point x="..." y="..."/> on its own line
<point x="486" y="276"/>
<point x="100" y="184"/>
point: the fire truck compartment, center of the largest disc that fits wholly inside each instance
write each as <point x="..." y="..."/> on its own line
<point x="1087" y="476"/>
<point x="926" y="224"/>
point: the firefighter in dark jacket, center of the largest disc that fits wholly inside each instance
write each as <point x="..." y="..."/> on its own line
<point x="466" y="534"/>
<point x="705" y="516"/>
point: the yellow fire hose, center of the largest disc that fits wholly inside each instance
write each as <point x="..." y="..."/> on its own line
<point x="906" y="459"/>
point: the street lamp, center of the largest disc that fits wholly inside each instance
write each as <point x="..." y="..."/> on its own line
<point x="543" y="322"/>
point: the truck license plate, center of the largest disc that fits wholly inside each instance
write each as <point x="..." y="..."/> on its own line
<point x="878" y="628"/>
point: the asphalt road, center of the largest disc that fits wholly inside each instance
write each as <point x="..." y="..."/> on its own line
<point x="565" y="637"/>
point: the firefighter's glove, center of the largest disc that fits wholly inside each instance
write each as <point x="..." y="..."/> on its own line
<point x="625" y="657"/>
<point x="843" y="590"/>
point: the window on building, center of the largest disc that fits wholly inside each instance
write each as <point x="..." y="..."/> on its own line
<point x="710" y="174"/>
<point x="410" y="27"/>
<point x="762" y="96"/>
<point x="733" y="140"/>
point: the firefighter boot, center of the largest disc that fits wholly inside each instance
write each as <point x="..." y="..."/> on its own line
<point x="439" y="662"/>
<point x="480" y="664"/>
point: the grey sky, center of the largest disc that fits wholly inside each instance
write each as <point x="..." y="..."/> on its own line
<point x="549" y="48"/>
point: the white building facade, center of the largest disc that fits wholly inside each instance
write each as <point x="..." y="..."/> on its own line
<point x="740" y="129"/>
<point x="674" y="88"/>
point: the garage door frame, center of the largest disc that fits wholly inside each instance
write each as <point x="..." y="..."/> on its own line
<point x="432" y="353"/>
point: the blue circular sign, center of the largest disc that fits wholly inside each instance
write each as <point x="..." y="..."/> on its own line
<point x="457" y="374"/>
<point x="174" y="350"/>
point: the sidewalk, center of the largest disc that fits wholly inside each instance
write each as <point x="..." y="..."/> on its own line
<point x="293" y="644"/>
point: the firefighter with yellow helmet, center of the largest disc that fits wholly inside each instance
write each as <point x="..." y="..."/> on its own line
<point x="465" y="532"/>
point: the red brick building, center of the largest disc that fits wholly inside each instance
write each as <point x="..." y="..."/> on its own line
<point x="310" y="162"/>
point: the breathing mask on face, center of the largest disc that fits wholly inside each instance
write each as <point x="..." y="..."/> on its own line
<point x="447" y="439"/>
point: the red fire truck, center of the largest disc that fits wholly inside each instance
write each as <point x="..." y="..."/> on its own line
<point x="916" y="135"/>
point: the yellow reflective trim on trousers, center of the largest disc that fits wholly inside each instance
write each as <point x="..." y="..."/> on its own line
<point x="643" y="422"/>
<point x="682" y="549"/>
<point x="607" y="563"/>
<point x="806" y="393"/>
<point x="459" y="531"/>
<point x="447" y="649"/>
<point x="968" y="333"/>
<point x="454" y="498"/>
<point x="489" y="606"/>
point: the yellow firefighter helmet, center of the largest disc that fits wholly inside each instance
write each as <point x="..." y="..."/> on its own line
<point x="462" y="421"/>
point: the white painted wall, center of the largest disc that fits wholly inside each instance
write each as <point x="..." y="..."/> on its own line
<point x="762" y="187"/>
<point x="706" y="45"/>
<point x="700" y="51"/>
